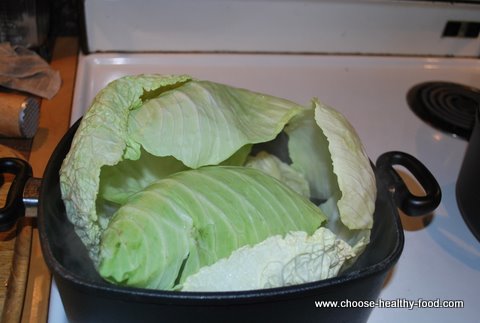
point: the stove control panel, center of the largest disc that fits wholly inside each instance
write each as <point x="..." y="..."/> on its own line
<point x="302" y="26"/>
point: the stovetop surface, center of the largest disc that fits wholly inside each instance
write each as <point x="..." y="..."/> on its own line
<point x="441" y="258"/>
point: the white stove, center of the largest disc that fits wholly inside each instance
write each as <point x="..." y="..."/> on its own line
<point x="441" y="257"/>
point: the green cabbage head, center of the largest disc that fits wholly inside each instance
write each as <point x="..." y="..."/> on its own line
<point x="175" y="183"/>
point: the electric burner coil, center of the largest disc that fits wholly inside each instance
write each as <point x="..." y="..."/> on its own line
<point x="447" y="106"/>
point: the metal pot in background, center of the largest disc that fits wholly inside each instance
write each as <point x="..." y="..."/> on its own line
<point x="467" y="187"/>
<point x="24" y="23"/>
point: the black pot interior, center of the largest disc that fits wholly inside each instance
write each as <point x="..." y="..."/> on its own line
<point x="67" y="257"/>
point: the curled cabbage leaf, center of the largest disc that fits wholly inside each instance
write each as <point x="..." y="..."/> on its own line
<point x="191" y="219"/>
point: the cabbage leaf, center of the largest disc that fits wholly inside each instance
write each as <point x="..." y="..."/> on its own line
<point x="203" y="123"/>
<point x="325" y="147"/>
<point x="275" y="262"/>
<point x="102" y="139"/>
<point x="195" y="218"/>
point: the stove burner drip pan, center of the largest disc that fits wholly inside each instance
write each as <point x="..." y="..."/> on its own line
<point x="447" y="106"/>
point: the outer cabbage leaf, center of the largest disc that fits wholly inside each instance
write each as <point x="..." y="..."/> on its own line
<point x="325" y="147"/>
<point x="193" y="218"/>
<point x="277" y="261"/>
<point x="102" y="139"/>
<point x="204" y="123"/>
<point x="352" y="167"/>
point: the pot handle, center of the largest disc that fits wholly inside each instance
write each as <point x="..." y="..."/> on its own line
<point x="14" y="205"/>
<point x="409" y="203"/>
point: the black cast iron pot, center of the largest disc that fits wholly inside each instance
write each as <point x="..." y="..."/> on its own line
<point x="88" y="298"/>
